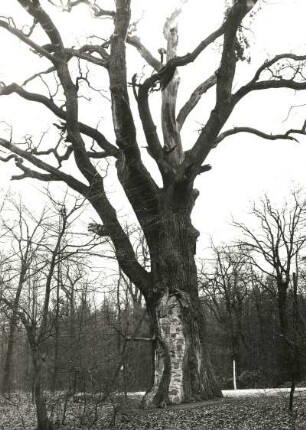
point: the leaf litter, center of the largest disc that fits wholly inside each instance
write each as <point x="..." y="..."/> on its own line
<point x="17" y="412"/>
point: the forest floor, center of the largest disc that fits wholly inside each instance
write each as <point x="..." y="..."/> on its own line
<point x="239" y="410"/>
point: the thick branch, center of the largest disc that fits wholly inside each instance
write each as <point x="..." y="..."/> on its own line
<point x="124" y="251"/>
<point x="122" y="115"/>
<point x="99" y="155"/>
<point x="37" y="12"/>
<point x="226" y="72"/>
<point x="255" y="84"/>
<point x="266" y="85"/>
<point x="137" y="182"/>
<point x="97" y="11"/>
<point x="21" y="36"/>
<point x="172" y="138"/>
<point x="95" y="49"/>
<point x="104" y="144"/>
<point x="169" y="68"/>
<point x="164" y="76"/>
<point x="36" y="75"/>
<point x="258" y="133"/>
<point x="195" y="98"/>
<point x="82" y="160"/>
<point x="54" y="151"/>
<point x="60" y="62"/>
<point x="97" y="197"/>
<point x="190" y="57"/>
<point x="87" y="57"/>
<point x="55" y="174"/>
<point x="225" y="76"/>
<point x="144" y="52"/>
<point x="149" y="128"/>
<point x="30" y="173"/>
<point x="95" y="192"/>
<point x="267" y="64"/>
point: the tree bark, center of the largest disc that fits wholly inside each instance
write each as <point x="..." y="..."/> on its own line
<point x="6" y="381"/>
<point x="295" y="365"/>
<point x="286" y="353"/>
<point x="182" y="367"/>
<point x="54" y="382"/>
<point x="43" y="422"/>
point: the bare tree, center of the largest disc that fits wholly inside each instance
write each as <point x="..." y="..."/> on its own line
<point x="183" y="370"/>
<point x="225" y="286"/>
<point x="42" y="245"/>
<point x="25" y="241"/>
<point x="275" y="249"/>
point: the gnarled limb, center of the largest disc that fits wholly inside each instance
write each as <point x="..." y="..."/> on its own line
<point x="21" y="36"/>
<point x="59" y="158"/>
<point x="268" y="85"/>
<point x="95" y="192"/>
<point x="98" y="49"/>
<point x="37" y="75"/>
<point x="131" y="171"/>
<point x="82" y="55"/>
<point x="172" y="138"/>
<point x="154" y="145"/>
<point x="97" y="11"/>
<point x="81" y="157"/>
<point x="97" y="154"/>
<point x="225" y="76"/>
<point x="226" y="71"/>
<point x="194" y="99"/>
<point x="255" y="84"/>
<point x="180" y="61"/>
<point x="97" y="196"/>
<point x="38" y="13"/>
<point x="192" y="56"/>
<point x="144" y="52"/>
<point x="55" y="174"/>
<point x="101" y="140"/>
<point x="267" y="64"/>
<point x="258" y="133"/>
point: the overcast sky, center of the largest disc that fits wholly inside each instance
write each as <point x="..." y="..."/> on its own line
<point x="244" y="166"/>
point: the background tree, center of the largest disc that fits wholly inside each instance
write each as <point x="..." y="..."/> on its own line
<point x="275" y="251"/>
<point x="39" y="247"/>
<point x="225" y="287"/>
<point x="23" y="234"/>
<point x="183" y="368"/>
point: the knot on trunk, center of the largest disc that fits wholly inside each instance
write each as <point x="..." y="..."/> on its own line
<point x="170" y="300"/>
<point x="183" y="298"/>
<point x="98" y="229"/>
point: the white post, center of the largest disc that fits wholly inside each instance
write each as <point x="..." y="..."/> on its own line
<point x="234" y="375"/>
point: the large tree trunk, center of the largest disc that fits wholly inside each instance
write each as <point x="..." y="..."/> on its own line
<point x="182" y="367"/>
<point x="43" y="422"/>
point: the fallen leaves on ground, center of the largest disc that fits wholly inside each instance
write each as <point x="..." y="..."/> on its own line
<point x="260" y="413"/>
<point x="227" y="414"/>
